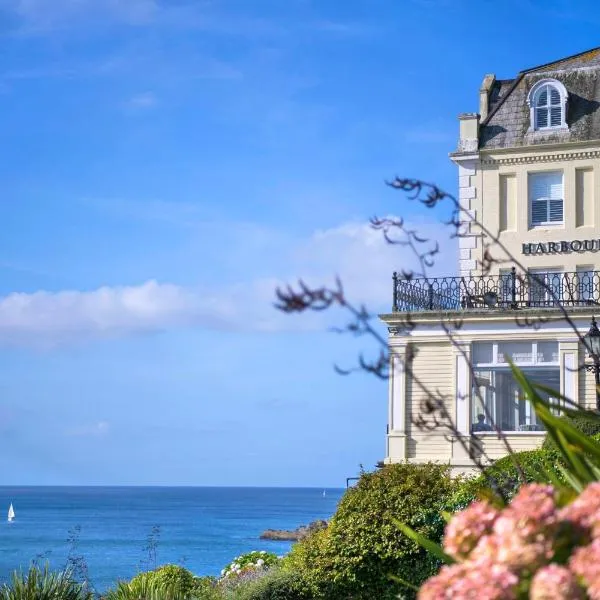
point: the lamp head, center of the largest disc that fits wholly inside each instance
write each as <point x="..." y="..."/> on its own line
<point x="592" y="339"/>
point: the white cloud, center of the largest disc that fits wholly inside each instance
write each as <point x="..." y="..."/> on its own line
<point x="48" y="14"/>
<point x="354" y="251"/>
<point x="98" y="429"/>
<point x="143" y="101"/>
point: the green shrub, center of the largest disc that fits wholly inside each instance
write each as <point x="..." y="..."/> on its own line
<point x="205" y="588"/>
<point x="169" y="582"/>
<point x="355" y="556"/>
<point x="140" y="588"/>
<point x="41" y="584"/>
<point x="503" y="477"/>
<point x="542" y="465"/>
<point x="585" y="424"/>
<point x="171" y="578"/>
<point x="275" y="585"/>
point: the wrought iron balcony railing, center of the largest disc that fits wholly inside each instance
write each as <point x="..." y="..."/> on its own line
<point x="509" y="291"/>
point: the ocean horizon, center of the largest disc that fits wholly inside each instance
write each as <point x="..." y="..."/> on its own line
<point x="118" y="531"/>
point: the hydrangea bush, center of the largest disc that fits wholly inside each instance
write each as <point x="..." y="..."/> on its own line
<point x="257" y="560"/>
<point x="534" y="548"/>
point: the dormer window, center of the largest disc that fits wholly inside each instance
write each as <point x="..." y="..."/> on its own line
<point x="548" y="105"/>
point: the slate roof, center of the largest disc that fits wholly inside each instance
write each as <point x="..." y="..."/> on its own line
<point x="507" y="123"/>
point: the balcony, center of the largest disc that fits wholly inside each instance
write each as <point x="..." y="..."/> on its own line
<point x="507" y="291"/>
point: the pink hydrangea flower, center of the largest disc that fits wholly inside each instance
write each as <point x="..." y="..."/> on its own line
<point x="553" y="583"/>
<point x="522" y="536"/>
<point x="531" y="513"/>
<point x="583" y="514"/>
<point x="463" y="582"/>
<point x="585" y="563"/>
<point x="467" y="527"/>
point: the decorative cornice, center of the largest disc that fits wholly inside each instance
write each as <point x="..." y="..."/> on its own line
<point x="541" y="158"/>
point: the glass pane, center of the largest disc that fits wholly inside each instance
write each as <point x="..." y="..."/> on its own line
<point x="554" y="96"/>
<point x="506" y="285"/>
<point x="543" y="97"/>
<point x="545" y="287"/>
<point x="555" y="116"/>
<point x="483" y="353"/>
<point x="585" y="284"/>
<point x="554" y="283"/>
<point x="547" y="352"/>
<point x="497" y="399"/>
<point x="518" y="352"/>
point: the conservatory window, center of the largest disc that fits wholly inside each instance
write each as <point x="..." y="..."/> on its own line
<point x="497" y="399"/>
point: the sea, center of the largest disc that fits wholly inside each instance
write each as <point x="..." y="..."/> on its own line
<point x="116" y="532"/>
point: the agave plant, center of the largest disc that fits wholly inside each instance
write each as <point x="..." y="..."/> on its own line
<point x="42" y="584"/>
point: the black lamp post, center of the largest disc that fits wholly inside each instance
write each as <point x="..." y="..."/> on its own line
<point x="592" y="342"/>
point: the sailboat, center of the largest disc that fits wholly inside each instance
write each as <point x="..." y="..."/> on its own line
<point x="324" y="494"/>
<point x="11" y="513"/>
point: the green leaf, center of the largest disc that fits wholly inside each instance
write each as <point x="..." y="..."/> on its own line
<point x="430" y="546"/>
<point x="446" y="515"/>
<point x="593" y="468"/>
<point x="571" y="479"/>
<point x="584" y="473"/>
<point x="403" y="582"/>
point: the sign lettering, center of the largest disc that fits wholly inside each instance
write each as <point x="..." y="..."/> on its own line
<point x="561" y="247"/>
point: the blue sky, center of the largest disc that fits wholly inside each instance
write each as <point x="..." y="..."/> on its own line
<point x="164" y="165"/>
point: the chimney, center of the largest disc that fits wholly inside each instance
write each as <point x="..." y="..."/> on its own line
<point x="469" y="132"/>
<point x="484" y="95"/>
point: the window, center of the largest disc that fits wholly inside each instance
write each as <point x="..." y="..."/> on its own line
<point x="547" y="103"/>
<point x="496" y="399"/>
<point x="546" y="198"/>
<point x="545" y="287"/>
<point x="506" y="286"/>
<point x="586" y="284"/>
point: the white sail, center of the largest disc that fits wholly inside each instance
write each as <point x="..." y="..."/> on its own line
<point x="11" y="513"/>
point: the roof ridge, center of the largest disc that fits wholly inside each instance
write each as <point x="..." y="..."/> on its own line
<point x="524" y="72"/>
<point x="559" y="60"/>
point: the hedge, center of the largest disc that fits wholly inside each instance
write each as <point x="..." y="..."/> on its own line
<point x="362" y="547"/>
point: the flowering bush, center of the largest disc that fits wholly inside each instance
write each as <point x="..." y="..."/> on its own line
<point x="248" y="563"/>
<point x="537" y="547"/>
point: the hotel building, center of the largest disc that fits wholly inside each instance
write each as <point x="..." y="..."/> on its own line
<point x="529" y="191"/>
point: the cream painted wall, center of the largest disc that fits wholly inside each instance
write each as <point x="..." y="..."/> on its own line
<point x="502" y="205"/>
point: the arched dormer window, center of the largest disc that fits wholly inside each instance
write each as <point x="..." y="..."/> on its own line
<point x="548" y="105"/>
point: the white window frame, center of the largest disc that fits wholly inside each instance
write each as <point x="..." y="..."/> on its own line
<point x="547" y="223"/>
<point x="532" y="100"/>
<point x="497" y="365"/>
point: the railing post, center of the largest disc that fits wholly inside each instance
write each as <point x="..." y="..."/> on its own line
<point x="513" y="287"/>
<point x="395" y="297"/>
<point x="430" y="292"/>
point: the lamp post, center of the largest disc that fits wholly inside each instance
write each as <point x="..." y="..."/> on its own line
<point x="592" y="342"/>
